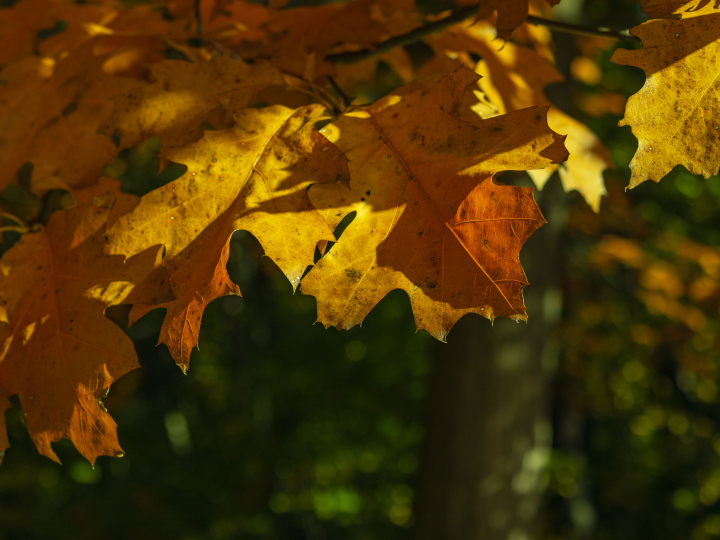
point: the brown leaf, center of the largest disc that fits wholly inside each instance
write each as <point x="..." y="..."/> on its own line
<point x="430" y="220"/>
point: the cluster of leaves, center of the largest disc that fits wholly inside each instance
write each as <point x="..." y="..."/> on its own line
<point x="236" y="93"/>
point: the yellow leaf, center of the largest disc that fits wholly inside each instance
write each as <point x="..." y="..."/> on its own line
<point x="514" y="78"/>
<point x="583" y="170"/>
<point x="252" y="177"/>
<point x="676" y="114"/>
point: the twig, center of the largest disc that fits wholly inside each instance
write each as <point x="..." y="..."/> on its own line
<point x="417" y="34"/>
<point x="412" y="36"/>
<point x="620" y="35"/>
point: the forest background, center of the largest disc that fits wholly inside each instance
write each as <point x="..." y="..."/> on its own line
<point x="284" y="429"/>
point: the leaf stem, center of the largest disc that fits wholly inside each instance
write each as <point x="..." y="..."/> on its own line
<point x="413" y="36"/>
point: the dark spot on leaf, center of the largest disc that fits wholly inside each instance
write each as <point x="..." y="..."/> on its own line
<point x="353" y="275"/>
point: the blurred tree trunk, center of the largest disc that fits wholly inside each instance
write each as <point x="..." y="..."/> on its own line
<point x="489" y="431"/>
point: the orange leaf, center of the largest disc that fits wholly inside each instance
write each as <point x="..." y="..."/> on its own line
<point x="252" y="177"/>
<point x="60" y="354"/>
<point x="48" y="116"/>
<point x="430" y="220"/>
<point x="20" y="25"/>
<point x="320" y="30"/>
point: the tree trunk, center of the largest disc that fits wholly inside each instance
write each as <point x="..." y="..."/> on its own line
<point x="488" y="431"/>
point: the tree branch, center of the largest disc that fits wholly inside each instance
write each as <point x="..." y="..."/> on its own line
<point x="413" y="36"/>
<point x="352" y="57"/>
<point x="619" y="35"/>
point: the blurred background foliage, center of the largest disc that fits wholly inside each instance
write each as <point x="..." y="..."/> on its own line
<point x="285" y="430"/>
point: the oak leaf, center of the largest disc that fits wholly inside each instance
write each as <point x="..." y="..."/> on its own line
<point x="59" y="353"/>
<point x="510" y="13"/>
<point x="22" y="24"/>
<point x="48" y="117"/>
<point x="675" y="115"/>
<point x="182" y="95"/>
<point x="671" y="9"/>
<point x="513" y="77"/>
<point x="429" y="219"/>
<point x="252" y="177"/>
<point x="307" y="34"/>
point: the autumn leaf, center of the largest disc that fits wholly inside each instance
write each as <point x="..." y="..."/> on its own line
<point x="510" y="13"/>
<point x="513" y="78"/>
<point x="670" y="9"/>
<point x="182" y="95"/>
<point x="583" y="170"/>
<point x="22" y="27"/>
<point x="252" y="177"/>
<point x="232" y="22"/>
<point x="429" y="219"/>
<point x="675" y="114"/>
<point x="59" y="352"/>
<point x="48" y="117"/>
<point x="308" y="34"/>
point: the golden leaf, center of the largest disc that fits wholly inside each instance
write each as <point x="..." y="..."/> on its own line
<point x="676" y="114"/>
<point x="252" y="177"/>
<point x="514" y="78"/>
